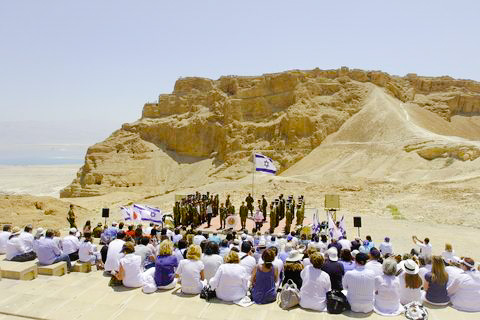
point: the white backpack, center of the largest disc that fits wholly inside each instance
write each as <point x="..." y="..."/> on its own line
<point x="289" y="296"/>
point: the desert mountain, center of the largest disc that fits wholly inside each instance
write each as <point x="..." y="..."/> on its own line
<point x="329" y="125"/>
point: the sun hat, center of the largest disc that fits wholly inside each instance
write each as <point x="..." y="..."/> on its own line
<point x="470" y="264"/>
<point x="354" y="253"/>
<point x="262" y="244"/>
<point x="294" y="255"/>
<point x="39" y="232"/>
<point x="73" y="230"/>
<point x="332" y="254"/>
<point x="410" y="266"/>
<point x="15" y="231"/>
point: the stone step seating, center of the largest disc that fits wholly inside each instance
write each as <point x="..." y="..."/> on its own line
<point x="18" y="270"/>
<point x="84" y="267"/>
<point x="57" y="269"/>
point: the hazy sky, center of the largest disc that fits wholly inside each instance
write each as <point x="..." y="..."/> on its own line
<point x="79" y="60"/>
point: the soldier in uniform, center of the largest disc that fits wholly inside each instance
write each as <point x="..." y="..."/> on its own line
<point x="277" y="212"/>
<point x="223" y="216"/>
<point x="228" y="202"/>
<point x="216" y="203"/>
<point x="196" y="214"/>
<point x="249" y="200"/>
<point x="273" y="218"/>
<point x="264" y="208"/>
<point x="281" y="208"/>
<point x="243" y="215"/>
<point x="184" y="213"/>
<point x="176" y="214"/>
<point x="71" y="217"/>
<point x="289" y="218"/>
<point x="300" y="213"/>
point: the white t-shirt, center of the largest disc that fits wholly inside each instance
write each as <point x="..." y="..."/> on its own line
<point x="248" y="263"/>
<point x="386" y="247"/>
<point x="189" y="272"/>
<point x="4" y="235"/>
<point x="198" y="239"/>
<point x="70" y="244"/>
<point x="345" y="244"/>
<point x="316" y="284"/>
<point x="114" y="255"/>
<point x="86" y="251"/>
<point x="375" y="266"/>
<point x="230" y="282"/>
<point x="27" y="239"/>
<point x="176" y="238"/>
<point x="387" y="298"/>
<point x="14" y="248"/>
<point x="132" y="265"/>
<point x="425" y="250"/>
<point x="408" y="295"/>
<point x="360" y="286"/>
<point x="211" y="264"/>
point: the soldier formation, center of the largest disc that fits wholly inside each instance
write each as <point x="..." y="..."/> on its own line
<point x="197" y="209"/>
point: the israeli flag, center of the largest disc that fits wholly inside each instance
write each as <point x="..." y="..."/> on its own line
<point x="264" y="164"/>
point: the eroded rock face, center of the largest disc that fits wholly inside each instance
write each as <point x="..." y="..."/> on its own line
<point x="283" y="115"/>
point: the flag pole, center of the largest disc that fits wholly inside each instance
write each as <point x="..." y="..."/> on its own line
<point x="253" y="171"/>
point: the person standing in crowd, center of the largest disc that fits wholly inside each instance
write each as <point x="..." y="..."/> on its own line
<point x="230" y="282"/>
<point x="209" y="214"/>
<point x="410" y="283"/>
<point x="264" y="278"/>
<point x="71" y="217"/>
<point x="435" y="283"/>
<point x="243" y="215"/>
<point x="191" y="271"/>
<point x="273" y="218"/>
<point x="315" y="284"/>
<point x="464" y="291"/>
<point x="258" y="218"/>
<point x="249" y="200"/>
<point x="360" y="285"/>
<point x="387" y="291"/>
<point x="223" y="217"/>
<point x="264" y="208"/>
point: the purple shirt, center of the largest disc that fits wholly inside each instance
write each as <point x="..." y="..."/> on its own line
<point x="335" y="271"/>
<point x="47" y="251"/>
<point x="165" y="270"/>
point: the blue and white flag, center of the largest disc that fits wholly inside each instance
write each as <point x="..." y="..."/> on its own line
<point x="264" y="164"/>
<point x="126" y="213"/>
<point x="147" y="213"/>
<point x="316" y="223"/>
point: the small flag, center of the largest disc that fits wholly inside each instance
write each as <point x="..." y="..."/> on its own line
<point x="316" y="222"/>
<point x="126" y="213"/>
<point x="264" y="164"/>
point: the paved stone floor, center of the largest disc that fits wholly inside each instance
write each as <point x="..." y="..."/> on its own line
<point x="88" y="296"/>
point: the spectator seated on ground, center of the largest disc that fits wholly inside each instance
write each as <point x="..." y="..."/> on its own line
<point x="387" y="290"/>
<point x="165" y="266"/>
<point x="375" y="262"/>
<point x="346" y="259"/>
<point x="410" y="283"/>
<point x="334" y="268"/>
<point x="464" y="291"/>
<point x="48" y="252"/>
<point x="246" y="258"/>
<point x="4" y="235"/>
<point x="16" y="250"/>
<point x="435" y="283"/>
<point x="360" y="285"/>
<point x="264" y="278"/>
<point x="230" y="282"/>
<point x="130" y="270"/>
<point x="97" y="231"/>
<point x="386" y="247"/>
<point x="292" y="268"/>
<point x="88" y="252"/>
<point x="114" y="253"/>
<point x="71" y="244"/>
<point x="315" y="284"/>
<point x="145" y="253"/>
<point x="310" y="250"/>
<point x="191" y="271"/>
<point x="211" y="259"/>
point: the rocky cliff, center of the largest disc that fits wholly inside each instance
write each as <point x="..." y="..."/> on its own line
<point x="207" y="129"/>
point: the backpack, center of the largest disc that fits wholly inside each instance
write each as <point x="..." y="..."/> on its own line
<point x="415" y="311"/>
<point x="207" y="293"/>
<point x="337" y="302"/>
<point x="289" y="296"/>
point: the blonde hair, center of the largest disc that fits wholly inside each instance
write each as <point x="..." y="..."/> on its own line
<point x="413" y="281"/>
<point x="439" y="275"/>
<point x="194" y="252"/>
<point x="232" y="257"/>
<point x="311" y="250"/>
<point x="448" y="247"/>
<point x="165" y="248"/>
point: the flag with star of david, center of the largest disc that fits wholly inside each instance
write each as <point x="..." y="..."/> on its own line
<point x="264" y="164"/>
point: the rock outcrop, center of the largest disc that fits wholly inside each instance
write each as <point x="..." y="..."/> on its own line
<point x="212" y="126"/>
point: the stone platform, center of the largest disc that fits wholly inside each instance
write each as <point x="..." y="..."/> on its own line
<point x="88" y="296"/>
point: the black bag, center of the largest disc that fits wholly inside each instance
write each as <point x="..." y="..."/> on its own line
<point x="337" y="302"/>
<point x="207" y="293"/>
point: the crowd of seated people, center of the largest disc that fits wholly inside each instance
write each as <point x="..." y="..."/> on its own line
<point x="258" y="265"/>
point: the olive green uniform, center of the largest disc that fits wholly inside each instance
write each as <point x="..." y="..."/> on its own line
<point x="301" y="215"/>
<point x="243" y="216"/>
